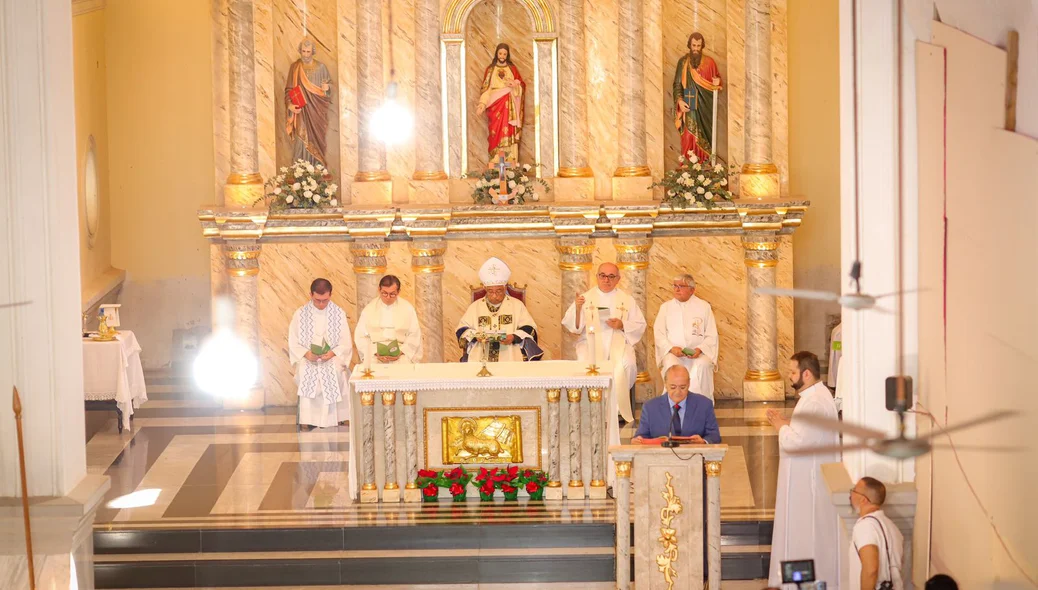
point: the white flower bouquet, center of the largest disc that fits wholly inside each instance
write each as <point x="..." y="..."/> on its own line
<point x="519" y="181"/>
<point x="301" y="186"/>
<point x="695" y="183"/>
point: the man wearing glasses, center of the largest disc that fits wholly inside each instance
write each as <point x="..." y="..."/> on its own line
<point x="388" y="327"/>
<point x="609" y="323"/>
<point x="686" y="335"/>
<point x="497" y="325"/>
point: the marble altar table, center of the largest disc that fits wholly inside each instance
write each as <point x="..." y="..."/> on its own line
<point x="516" y="410"/>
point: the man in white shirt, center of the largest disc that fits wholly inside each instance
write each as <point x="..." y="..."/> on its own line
<point x="386" y="319"/>
<point x="609" y="323"/>
<point x="877" y="546"/>
<point x="319" y="346"/>
<point x="805" y="521"/>
<point x="686" y="335"/>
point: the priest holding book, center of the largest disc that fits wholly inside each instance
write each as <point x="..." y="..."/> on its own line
<point x="686" y="334"/>
<point x="497" y="325"/>
<point x="319" y="346"/>
<point x="388" y="327"/>
<point x="684" y="416"/>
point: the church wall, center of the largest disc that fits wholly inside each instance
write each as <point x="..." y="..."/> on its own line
<point x="814" y="161"/>
<point x="90" y="67"/>
<point x="160" y="134"/>
<point x="717" y="263"/>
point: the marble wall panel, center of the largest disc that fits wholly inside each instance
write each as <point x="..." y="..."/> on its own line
<point x="656" y="88"/>
<point x="221" y="98"/>
<point x="321" y="23"/>
<point x="400" y="159"/>
<point x="346" y="46"/>
<point x="736" y="82"/>
<point x="268" y="95"/>
<point x="716" y="262"/>
<point x="682" y="19"/>
<point x="601" y="40"/>
<point x="780" y="93"/>
<point x="490" y="23"/>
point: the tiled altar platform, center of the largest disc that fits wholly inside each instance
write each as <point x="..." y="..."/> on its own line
<point x="246" y="500"/>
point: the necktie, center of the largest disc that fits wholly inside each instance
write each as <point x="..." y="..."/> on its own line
<point x="677" y="420"/>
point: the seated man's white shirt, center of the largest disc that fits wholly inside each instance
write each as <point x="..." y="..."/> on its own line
<point x="691" y="325"/>
<point x="877" y="529"/>
<point x="616" y="346"/>
<point x="324" y="399"/>
<point x="384" y="323"/>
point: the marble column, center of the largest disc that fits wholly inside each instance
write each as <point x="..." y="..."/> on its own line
<point x="575" y="255"/>
<point x="713" y="522"/>
<point x="763" y="381"/>
<point x="455" y="108"/>
<point x="242" y="268"/>
<point x="244" y="184"/>
<point x="369" y="264"/>
<point x="597" y="490"/>
<point x="623" y="526"/>
<point x="759" y="178"/>
<point x="368" y="488"/>
<point x="427" y="265"/>
<point x="391" y="490"/>
<point x="428" y="93"/>
<point x="544" y="108"/>
<point x="42" y="351"/>
<point x="573" y="127"/>
<point x="370" y="86"/>
<point x="554" y="489"/>
<point x="633" y="158"/>
<point x="575" y="490"/>
<point x="411" y="491"/>
<point x="632" y="256"/>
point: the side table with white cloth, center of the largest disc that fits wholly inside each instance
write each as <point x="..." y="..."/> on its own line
<point x="112" y="374"/>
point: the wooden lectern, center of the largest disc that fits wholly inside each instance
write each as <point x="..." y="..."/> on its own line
<point x="669" y="521"/>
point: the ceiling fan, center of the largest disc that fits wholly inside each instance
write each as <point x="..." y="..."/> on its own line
<point x="877" y="441"/>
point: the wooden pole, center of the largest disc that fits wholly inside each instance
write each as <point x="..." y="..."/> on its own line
<point x="17" y="405"/>
<point x="1012" y="59"/>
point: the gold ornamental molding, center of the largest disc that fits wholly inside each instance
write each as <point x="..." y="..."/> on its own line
<point x="410" y="398"/>
<point x="390" y="486"/>
<point x="766" y="168"/>
<point x="554" y="395"/>
<point x="575" y="172"/>
<point x="388" y="398"/>
<point x="457" y="11"/>
<point x="367" y="398"/>
<point x="594" y="395"/>
<point x="242" y="254"/>
<point x="369" y="252"/>
<point x="369" y="270"/>
<point x="573" y="395"/>
<point x="376" y="176"/>
<point x="369" y="487"/>
<point x="762" y="263"/>
<point x="580" y="249"/>
<point x="554" y="484"/>
<point x="668" y="534"/>
<point x="431" y="269"/>
<point x="576" y="483"/>
<point x="598" y="483"/>
<point x="240" y="179"/>
<point x="623" y="469"/>
<point x="427" y="252"/>
<point x="575" y="266"/>
<point x="431" y="175"/>
<point x="769" y="375"/>
<point x="632" y="172"/>
<point x="622" y="248"/>
<point x="242" y="272"/>
<point x="713" y="468"/>
<point x="643" y="377"/>
<point x="632" y="265"/>
<point x="760" y="246"/>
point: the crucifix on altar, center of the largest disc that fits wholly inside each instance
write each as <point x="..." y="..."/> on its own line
<point x="502" y="197"/>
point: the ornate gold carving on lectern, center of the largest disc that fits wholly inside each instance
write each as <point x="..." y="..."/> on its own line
<point x="668" y="535"/>
<point x="483" y="439"/>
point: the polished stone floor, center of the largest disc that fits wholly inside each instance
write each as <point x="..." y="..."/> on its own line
<point x="196" y="464"/>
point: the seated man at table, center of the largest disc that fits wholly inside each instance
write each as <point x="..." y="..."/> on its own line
<point x="689" y="416"/>
<point x="505" y="321"/>
<point x="391" y="324"/>
<point x="319" y="346"/>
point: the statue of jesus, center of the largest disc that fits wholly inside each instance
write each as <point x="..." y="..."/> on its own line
<point x="501" y="98"/>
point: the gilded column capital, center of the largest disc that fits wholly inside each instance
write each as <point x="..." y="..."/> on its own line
<point x="242" y="259"/>
<point x="369" y="256"/>
<point x="632" y="253"/>
<point x="427" y="255"/>
<point x="575" y="254"/>
<point x="367" y="398"/>
<point x="410" y="398"/>
<point x="388" y="398"/>
<point x="554" y="395"/>
<point x="573" y="395"/>
<point x="713" y="468"/>
<point x="761" y="250"/>
<point x="594" y="394"/>
<point x="623" y="469"/>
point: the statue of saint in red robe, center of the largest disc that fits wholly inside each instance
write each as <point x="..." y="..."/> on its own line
<point x="501" y="98"/>
<point x="695" y="82"/>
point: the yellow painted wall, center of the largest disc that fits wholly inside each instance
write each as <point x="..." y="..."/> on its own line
<point x="814" y="160"/>
<point x="160" y="124"/>
<point x="90" y="70"/>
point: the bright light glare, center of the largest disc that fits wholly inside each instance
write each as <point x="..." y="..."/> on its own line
<point x="137" y="499"/>
<point x="392" y="124"/>
<point x="225" y="365"/>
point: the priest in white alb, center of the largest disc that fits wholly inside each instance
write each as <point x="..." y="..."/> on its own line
<point x="686" y="335"/>
<point x="609" y="323"/>
<point x="806" y="523"/>
<point x="497" y="323"/>
<point x="389" y="323"/>
<point x="319" y="346"/>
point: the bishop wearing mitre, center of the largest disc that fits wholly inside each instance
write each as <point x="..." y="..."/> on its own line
<point x="319" y="346"/>
<point x="609" y="323"/>
<point x="497" y="323"/>
<point x="686" y="335"/>
<point x="388" y="327"/>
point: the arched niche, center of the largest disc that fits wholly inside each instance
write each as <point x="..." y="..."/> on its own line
<point x="456" y="13"/>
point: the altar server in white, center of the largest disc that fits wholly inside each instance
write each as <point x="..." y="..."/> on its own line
<point x="319" y="346"/>
<point x="501" y="315"/>
<point x="386" y="319"/>
<point x="609" y="324"/>
<point x="806" y="523"/>
<point x="686" y="324"/>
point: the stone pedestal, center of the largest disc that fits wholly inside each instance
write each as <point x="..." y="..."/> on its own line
<point x="633" y="188"/>
<point x="369" y="264"/>
<point x="569" y="189"/>
<point x="575" y="256"/>
<point x="763" y="381"/>
<point x="427" y="264"/>
<point x="242" y="267"/>
<point x="376" y="192"/>
<point x="429" y="192"/>
<point x="632" y="257"/>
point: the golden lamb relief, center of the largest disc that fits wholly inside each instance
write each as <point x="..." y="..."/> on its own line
<point x="482" y="439"/>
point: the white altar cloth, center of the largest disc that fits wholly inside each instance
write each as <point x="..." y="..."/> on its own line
<point x="112" y="371"/>
<point x="521" y="375"/>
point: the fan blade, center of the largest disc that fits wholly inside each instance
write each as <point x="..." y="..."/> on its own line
<point x="19" y="303"/>
<point x="828" y="449"/>
<point x="982" y="448"/>
<point x="798" y="293"/>
<point x="905" y="292"/>
<point x="841" y="426"/>
<point x="970" y="423"/>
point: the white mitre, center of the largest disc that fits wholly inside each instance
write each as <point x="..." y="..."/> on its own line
<point x="494" y="273"/>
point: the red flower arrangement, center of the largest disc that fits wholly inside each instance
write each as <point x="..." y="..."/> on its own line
<point x="455" y="480"/>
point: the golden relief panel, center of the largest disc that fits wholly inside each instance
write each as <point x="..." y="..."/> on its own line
<point x="482" y="439"/>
